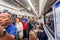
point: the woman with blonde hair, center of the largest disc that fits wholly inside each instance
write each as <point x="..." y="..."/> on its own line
<point x="33" y="35"/>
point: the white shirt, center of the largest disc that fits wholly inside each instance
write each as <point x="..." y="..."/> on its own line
<point x="20" y="29"/>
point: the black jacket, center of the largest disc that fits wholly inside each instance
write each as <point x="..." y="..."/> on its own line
<point x="42" y="36"/>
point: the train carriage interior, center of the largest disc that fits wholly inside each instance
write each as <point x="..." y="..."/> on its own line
<point x="34" y="19"/>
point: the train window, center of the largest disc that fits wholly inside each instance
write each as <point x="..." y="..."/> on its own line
<point x="49" y="22"/>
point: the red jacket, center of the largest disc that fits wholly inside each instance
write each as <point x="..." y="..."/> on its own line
<point x="24" y="25"/>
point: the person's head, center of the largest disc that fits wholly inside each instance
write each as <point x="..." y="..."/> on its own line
<point x="17" y="19"/>
<point x="33" y="18"/>
<point x="32" y="35"/>
<point x="39" y="26"/>
<point x="24" y="16"/>
<point x="30" y="20"/>
<point x="5" y="18"/>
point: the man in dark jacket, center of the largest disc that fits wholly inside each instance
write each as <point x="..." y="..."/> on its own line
<point x="41" y="33"/>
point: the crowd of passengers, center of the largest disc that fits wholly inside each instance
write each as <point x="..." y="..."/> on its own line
<point x="23" y="28"/>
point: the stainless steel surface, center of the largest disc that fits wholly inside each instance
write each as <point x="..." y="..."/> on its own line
<point x="35" y="3"/>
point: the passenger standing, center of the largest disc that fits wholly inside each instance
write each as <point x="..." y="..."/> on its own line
<point x="25" y="19"/>
<point x="19" y="28"/>
<point x="24" y="29"/>
<point x="40" y="32"/>
<point x="7" y="29"/>
<point x="34" y="23"/>
<point x="30" y="24"/>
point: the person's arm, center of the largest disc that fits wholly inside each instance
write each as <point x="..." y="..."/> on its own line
<point x="6" y="36"/>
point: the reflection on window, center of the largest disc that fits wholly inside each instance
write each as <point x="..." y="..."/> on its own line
<point x="50" y="21"/>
